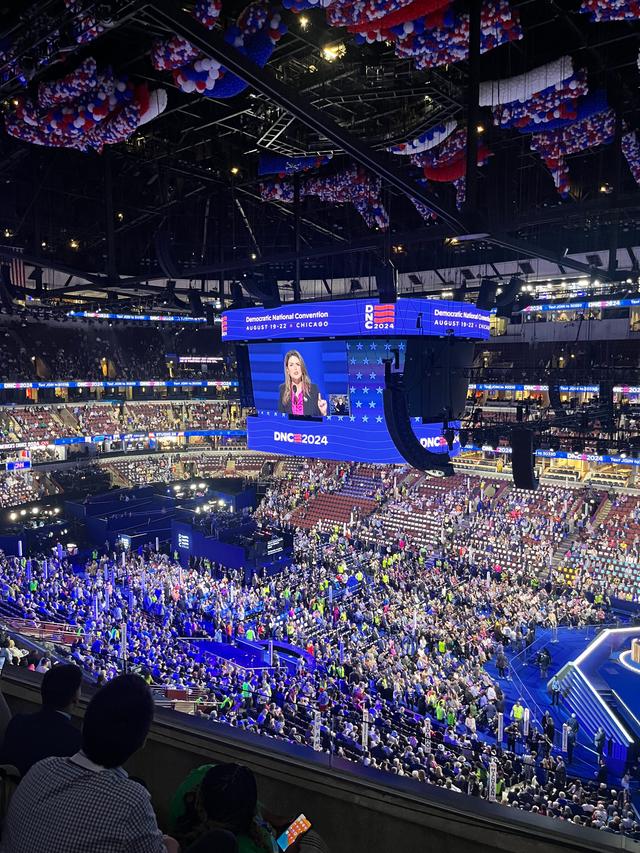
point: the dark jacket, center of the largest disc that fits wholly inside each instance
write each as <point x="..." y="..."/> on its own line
<point x="31" y="737"/>
<point x="310" y="402"/>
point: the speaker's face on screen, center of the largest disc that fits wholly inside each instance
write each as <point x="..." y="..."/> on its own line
<point x="294" y="368"/>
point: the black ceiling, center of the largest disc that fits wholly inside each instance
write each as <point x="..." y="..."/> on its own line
<point x="174" y="174"/>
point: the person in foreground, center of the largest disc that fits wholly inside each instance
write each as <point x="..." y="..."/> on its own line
<point x="216" y="810"/>
<point x="298" y="395"/>
<point x="86" y="803"/>
<point x="31" y="737"/>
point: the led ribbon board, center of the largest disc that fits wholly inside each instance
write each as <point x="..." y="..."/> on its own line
<point x="357" y="318"/>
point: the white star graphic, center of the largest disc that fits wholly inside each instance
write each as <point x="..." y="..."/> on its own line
<point x="372" y="404"/>
<point x="340" y="418"/>
<point x="329" y="417"/>
<point x="387" y="347"/>
<point x="379" y="419"/>
<point x="365" y="390"/>
<point x="365" y="361"/>
<point x="358" y="376"/>
<point x="360" y="345"/>
<point x="352" y="361"/>
<point x="365" y="419"/>
<point x="372" y="375"/>
<point x="401" y="347"/>
<point x="372" y="345"/>
<point x="417" y="420"/>
<point x="379" y="390"/>
<point x="358" y="404"/>
<point x="352" y="418"/>
<point x="380" y="360"/>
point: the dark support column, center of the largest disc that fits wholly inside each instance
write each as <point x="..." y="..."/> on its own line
<point x="475" y="9"/>
<point x="112" y="267"/>
<point x="221" y="212"/>
<point x="614" y="225"/>
<point x="296" y="236"/>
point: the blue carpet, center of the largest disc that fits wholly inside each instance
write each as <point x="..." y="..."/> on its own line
<point x="524" y="682"/>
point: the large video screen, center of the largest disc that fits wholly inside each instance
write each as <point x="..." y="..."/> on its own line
<point x="325" y="399"/>
<point x="306" y="380"/>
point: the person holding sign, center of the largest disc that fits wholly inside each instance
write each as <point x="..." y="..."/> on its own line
<point x="298" y="394"/>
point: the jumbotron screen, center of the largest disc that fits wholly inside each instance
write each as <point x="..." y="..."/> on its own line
<point x="324" y="398"/>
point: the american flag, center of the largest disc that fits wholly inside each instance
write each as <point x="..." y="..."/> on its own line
<point x="18" y="271"/>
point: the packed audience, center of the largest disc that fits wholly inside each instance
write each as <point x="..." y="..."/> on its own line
<point x="96" y="351"/>
<point x="386" y="621"/>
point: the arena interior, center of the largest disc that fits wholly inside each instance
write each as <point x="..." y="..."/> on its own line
<point x="319" y="426"/>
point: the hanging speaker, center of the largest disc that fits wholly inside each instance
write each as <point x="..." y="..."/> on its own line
<point x="195" y="303"/>
<point x="436" y="377"/>
<point x="554" y="399"/>
<point x="385" y="276"/>
<point x="487" y="294"/>
<point x="522" y="459"/>
<point x="263" y="290"/>
<point x="606" y="405"/>
<point x="164" y="255"/>
<point x="506" y="299"/>
<point x="6" y="289"/>
<point x="404" y="439"/>
<point x="244" y="376"/>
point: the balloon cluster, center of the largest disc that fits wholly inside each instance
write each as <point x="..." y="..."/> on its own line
<point x="427" y="140"/>
<point x="277" y="164"/>
<point x="85" y="27"/>
<point x="425" y="212"/>
<point x="556" y="103"/>
<point x="555" y="145"/>
<point x="255" y="34"/>
<point x="631" y="151"/>
<point x="447" y="163"/>
<point x="445" y="38"/>
<point x="611" y="10"/>
<point x="374" y="21"/>
<point x="352" y="186"/>
<point x="85" y="110"/>
<point x="277" y="191"/>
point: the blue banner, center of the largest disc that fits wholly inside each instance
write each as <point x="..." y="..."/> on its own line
<point x="121" y="383"/>
<point x="358" y="438"/>
<point x="357" y="318"/>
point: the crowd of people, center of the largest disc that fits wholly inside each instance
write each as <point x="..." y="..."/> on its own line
<point x="32" y="350"/>
<point x="396" y="629"/>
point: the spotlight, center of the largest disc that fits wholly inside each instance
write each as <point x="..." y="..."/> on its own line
<point x="480" y="129"/>
<point x="235" y="170"/>
<point x="303" y="21"/>
<point x="120" y="216"/>
<point x="74" y="244"/>
<point x="605" y="188"/>
<point x="8" y="232"/>
<point x="333" y="51"/>
<point x="13" y="516"/>
<point x="254" y="257"/>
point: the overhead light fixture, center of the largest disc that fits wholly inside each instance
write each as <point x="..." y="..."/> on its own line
<point x="120" y="216"/>
<point x="333" y="51"/>
<point x="480" y="128"/>
<point x="304" y="22"/>
<point x="8" y="232"/>
<point x="74" y="244"/>
<point x="235" y="170"/>
<point x="254" y="257"/>
<point x="43" y="245"/>
<point x="606" y="188"/>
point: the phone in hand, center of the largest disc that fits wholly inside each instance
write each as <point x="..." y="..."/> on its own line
<point x="299" y="826"/>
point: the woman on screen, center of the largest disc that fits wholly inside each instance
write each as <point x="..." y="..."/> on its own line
<point x="298" y="394"/>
